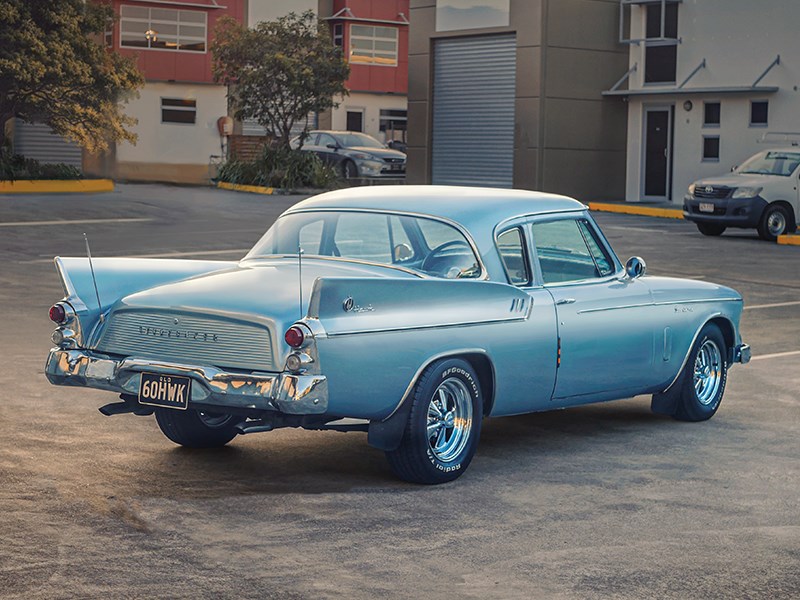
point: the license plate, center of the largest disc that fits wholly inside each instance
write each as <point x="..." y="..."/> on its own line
<point x="168" y="391"/>
<point x="707" y="207"/>
<point x="397" y="168"/>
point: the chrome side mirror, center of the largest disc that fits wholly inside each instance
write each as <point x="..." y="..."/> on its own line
<point x="635" y="267"/>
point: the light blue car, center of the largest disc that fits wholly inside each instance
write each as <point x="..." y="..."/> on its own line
<point x="409" y="312"/>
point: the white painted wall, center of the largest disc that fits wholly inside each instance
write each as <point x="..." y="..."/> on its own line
<point x="174" y="143"/>
<point x="371" y="104"/>
<point x="269" y="10"/>
<point x="738" y="39"/>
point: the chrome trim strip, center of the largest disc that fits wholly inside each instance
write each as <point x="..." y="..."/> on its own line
<point x="484" y="271"/>
<point x="670" y="303"/>
<point x="426" y="364"/>
<point x="436" y="326"/>
<point x="341" y="259"/>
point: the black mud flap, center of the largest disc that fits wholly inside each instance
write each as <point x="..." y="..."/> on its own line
<point x="386" y="435"/>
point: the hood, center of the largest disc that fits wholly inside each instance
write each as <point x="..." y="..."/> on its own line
<point x="379" y="152"/>
<point x="265" y="291"/>
<point x="736" y="180"/>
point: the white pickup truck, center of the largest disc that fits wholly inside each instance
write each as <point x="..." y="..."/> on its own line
<point x="760" y="194"/>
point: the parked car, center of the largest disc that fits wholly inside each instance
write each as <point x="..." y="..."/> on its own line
<point x="354" y="154"/>
<point x="411" y="313"/>
<point x="760" y="194"/>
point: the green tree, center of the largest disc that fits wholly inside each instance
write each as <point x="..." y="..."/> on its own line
<point x="53" y="70"/>
<point x="280" y="71"/>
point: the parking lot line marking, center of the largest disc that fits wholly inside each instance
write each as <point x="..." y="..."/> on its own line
<point x="71" y="222"/>
<point x="775" y="305"/>
<point x="776" y="355"/>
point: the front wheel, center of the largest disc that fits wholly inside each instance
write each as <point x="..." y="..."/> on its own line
<point x="349" y="170"/>
<point x="710" y="228"/>
<point x="774" y="222"/>
<point x="443" y="427"/>
<point x="702" y="382"/>
<point x="196" y="429"/>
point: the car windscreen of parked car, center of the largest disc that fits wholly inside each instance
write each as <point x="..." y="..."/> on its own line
<point x="358" y="140"/>
<point x="771" y="163"/>
<point x="426" y="245"/>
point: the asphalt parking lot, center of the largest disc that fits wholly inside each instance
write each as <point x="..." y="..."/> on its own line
<point x="603" y="501"/>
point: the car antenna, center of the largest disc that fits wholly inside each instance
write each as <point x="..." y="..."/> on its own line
<point x="94" y="279"/>
<point x="300" y="275"/>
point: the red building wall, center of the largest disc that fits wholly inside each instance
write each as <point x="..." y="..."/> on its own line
<point x="174" y="65"/>
<point x="377" y="78"/>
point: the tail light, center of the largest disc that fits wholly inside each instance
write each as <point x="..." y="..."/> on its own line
<point x="295" y="336"/>
<point x="58" y="313"/>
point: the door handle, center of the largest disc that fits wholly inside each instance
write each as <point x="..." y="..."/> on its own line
<point x="562" y="301"/>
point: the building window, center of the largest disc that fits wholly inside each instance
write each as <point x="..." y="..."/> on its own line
<point x="162" y="29"/>
<point x="711" y="114"/>
<point x="108" y="34"/>
<point x="661" y="50"/>
<point x="759" y="113"/>
<point x="394" y="124"/>
<point x="178" y="110"/>
<point x="452" y="15"/>
<point x="373" y="45"/>
<point x="338" y="35"/>
<point x="711" y="148"/>
<point x="355" y="120"/>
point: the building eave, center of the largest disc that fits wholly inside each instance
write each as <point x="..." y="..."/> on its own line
<point x="698" y="90"/>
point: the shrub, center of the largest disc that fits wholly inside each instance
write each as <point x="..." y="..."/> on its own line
<point x="281" y="168"/>
<point x="16" y="166"/>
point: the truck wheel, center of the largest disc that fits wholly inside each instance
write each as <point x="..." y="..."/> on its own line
<point x="702" y="382"/>
<point x="774" y="222"/>
<point x="196" y="429"/>
<point x="711" y="228"/>
<point x="443" y="427"/>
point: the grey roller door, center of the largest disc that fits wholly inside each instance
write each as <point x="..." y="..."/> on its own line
<point x="473" y="111"/>
<point x="36" y="141"/>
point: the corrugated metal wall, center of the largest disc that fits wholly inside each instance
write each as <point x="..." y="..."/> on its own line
<point x="39" y="142"/>
<point x="474" y="84"/>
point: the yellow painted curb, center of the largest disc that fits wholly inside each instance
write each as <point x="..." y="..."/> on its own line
<point x="790" y="240"/>
<point x="634" y="209"/>
<point x="56" y="186"/>
<point x="253" y="189"/>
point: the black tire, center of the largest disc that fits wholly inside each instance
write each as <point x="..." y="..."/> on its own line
<point x="711" y="228"/>
<point x="457" y="428"/>
<point x="349" y="169"/>
<point x="195" y="429"/>
<point x="699" y="393"/>
<point x="775" y="221"/>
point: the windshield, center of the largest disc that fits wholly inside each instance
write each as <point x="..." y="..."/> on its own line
<point x="417" y="243"/>
<point x="771" y="162"/>
<point x="350" y="140"/>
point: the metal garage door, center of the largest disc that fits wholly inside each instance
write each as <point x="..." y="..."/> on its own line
<point x="39" y="142"/>
<point x="473" y="111"/>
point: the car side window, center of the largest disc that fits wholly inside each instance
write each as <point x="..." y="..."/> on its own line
<point x="511" y="245"/>
<point x="563" y="252"/>
<point x="325" y="139"/>
<point x="605" y="266"/>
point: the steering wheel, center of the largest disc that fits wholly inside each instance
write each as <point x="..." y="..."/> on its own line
<point x="435" y="254"/>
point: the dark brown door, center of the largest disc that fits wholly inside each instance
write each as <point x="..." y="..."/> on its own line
<point x="657" y="149"/>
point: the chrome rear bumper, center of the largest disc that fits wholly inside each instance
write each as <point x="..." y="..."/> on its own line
<point x="287" y="393"/>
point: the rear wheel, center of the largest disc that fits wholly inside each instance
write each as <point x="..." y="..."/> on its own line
<point x="774" y="222"/>
<point x="196" y="429"/>
<point x="443" y="427"/>
<point x="710" y="228"/>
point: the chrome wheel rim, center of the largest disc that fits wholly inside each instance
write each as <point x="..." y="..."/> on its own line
<point x="707" y="372"/>
<point x="449" y="419"/>
<point x="776" y="223"/>
<point x="214" y="420"/>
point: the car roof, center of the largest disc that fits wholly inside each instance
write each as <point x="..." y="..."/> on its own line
<point x="473" y="207"/>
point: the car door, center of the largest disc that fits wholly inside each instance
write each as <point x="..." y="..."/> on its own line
<point x="327" y="149"/>
<point x="605" y="328"/>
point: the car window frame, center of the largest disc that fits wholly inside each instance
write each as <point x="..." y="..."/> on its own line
<point x="600" y="238"/>
<point x="524" y="229"/>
